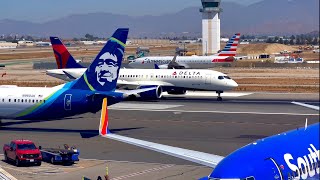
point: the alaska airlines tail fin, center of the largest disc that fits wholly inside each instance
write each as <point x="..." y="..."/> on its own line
<point x="102" y="74"/>
<point x="231" y="47"/>
<point x="63" y="58"/>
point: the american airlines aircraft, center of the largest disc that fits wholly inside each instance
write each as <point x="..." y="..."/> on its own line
<point x="289" y="155"/>
<point x="189" y="62"/>
<point x="80" y="96"/>
<point x="173" y="81"/>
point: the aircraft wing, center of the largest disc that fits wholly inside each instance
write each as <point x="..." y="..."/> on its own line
<point x="134" y="91"/>
<point x="205" y="159"/>
<point x="306" y="105"/>
<point x="71" y="77"/>
<point x="174" y="65"/>
<point x="136" y="84"/>
<point x="124" y="82"/>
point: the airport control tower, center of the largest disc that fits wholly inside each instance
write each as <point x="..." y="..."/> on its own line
<point x="210" y="26"/>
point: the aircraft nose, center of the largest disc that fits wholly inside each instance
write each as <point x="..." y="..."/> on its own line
<point x="233" y="84"/>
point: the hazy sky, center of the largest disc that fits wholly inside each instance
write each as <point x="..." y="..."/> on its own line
<point x="44" y="10"/>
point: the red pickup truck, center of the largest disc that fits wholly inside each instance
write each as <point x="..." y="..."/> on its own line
<point x="22" y="151"/>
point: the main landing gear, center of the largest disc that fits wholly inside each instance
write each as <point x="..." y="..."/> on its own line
<point x="219" y="98"/>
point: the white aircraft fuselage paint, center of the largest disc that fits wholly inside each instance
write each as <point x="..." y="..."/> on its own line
<point x="13" y="100"/>
<point x="191" y="62"/>
<point x="190" y="79"/>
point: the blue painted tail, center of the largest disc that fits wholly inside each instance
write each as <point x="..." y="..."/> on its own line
<point x="102" y="74"/>
<point x="63" y="58"/>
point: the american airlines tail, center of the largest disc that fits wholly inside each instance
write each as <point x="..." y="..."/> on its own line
<point x="102" y="74"/>
<point x="63" y="58"/>
<point x="231" y="47"/>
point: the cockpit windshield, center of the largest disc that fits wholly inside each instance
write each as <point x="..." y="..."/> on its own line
<point x="223" y="77"/>
<point x="220" y="77"/>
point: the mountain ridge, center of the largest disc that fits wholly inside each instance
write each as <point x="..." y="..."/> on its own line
<point x="278" y="17"/>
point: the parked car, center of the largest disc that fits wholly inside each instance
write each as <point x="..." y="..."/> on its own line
<point x="22" y="152"/>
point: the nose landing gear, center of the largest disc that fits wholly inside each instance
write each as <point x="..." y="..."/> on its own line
<point x="219" y="98"/>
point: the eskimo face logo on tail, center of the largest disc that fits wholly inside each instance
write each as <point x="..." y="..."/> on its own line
<point x="107" y="68"/>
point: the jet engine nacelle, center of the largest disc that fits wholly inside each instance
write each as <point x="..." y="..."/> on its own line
<point x="176" y="91"/>
<point x="153" y="94"/>
<point x="163" y="66"/>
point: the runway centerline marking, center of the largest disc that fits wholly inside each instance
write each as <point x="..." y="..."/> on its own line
<point x="219" y="112"/>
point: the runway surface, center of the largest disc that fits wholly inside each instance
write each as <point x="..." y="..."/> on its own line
<point x="198" y="123"/>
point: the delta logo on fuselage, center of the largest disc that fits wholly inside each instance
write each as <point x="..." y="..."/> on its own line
<point x="305" y="165"/>
<point x="186" y="73"/>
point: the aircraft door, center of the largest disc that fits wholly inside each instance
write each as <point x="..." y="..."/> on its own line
<point x="274" y="169"/>
<point x="207" y="79"/>
<point x="67" y="102"/>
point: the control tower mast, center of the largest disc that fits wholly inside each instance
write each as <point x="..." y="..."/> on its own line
<point x="210" y="26"/>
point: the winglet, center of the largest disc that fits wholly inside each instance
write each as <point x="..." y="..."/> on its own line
<point x="69" y="75"/>
<point x="104" y="121"/>
<point x="174" y="58"/>
<point x="156" y="66"/>
<point x="306" y="125"/>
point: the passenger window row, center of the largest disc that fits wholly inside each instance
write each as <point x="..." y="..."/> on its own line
<point x="161" y="76"/>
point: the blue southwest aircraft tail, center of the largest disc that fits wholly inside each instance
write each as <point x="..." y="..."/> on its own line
<point x="63" y="58"/>
<point x="102" y="74"/>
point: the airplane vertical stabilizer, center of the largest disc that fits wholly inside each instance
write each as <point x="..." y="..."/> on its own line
<point x="63" y="58"/>
<point x="102" y="74"/>
<point x="231" y="48"/>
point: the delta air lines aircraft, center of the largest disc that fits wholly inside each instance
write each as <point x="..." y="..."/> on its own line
<point x="173" y="81"/>
<point x="289" y="155"/>
<point x="80" y="96"/>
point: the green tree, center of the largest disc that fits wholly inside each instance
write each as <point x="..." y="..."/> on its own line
<point x="269" y="40"/>
<point x="89" y="37"/>
<point x="309" y="40"/>
<point x="291" y="42"/>
<point x="281" y="41"/>
<point x="315" y="41"/>
<point x="292" y="37"/>
<point x="298" y="41"/>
